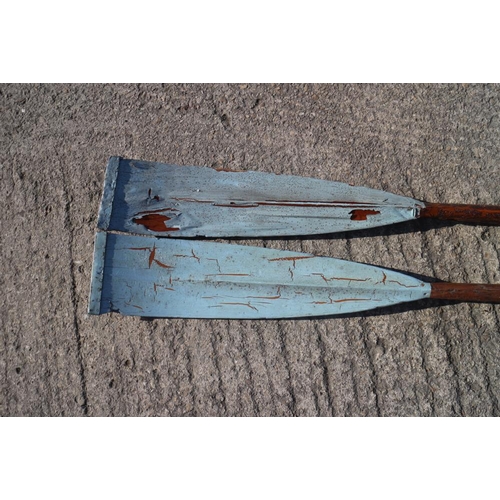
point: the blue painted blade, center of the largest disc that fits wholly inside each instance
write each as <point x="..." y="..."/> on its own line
<point x="144" y="276"/>
<point x="166" y="200"/>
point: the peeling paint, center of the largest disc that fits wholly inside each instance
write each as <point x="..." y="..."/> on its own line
<point x="202" y="201"/>
<point x="181" y="278"/>
<point x="402" y="284"/>
<point x="362" y="214"/>
<point x="334" y="278"/>
<point x="192" y="256"/>
<point x="351" y="300"/>
<point x="161" y="264"/>
<point x="154" y="222"/>
<point x="152" y="255"/>
<point x="301" y="257"/>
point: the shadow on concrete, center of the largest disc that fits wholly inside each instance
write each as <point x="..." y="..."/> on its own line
<point x="417" y="225"/>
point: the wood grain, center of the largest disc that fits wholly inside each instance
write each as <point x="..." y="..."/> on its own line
<point x="472" y="214"/>
<point x="466" y="292"/>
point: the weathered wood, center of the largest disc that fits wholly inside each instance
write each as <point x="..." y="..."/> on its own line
<point x="466" y="292"/>
<point x="475" y="214"/>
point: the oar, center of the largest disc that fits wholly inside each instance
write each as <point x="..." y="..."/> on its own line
<point x="166" y="200"/>
<point x="158" y="277"/>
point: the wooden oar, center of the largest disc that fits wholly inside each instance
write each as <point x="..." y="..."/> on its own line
<point x="158" y="277"/>
<point x="166" y="200"/>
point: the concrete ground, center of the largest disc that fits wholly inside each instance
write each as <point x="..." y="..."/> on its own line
<point x="438" y="143"/>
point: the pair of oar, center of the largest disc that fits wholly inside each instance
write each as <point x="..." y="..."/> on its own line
<point x="166" y="277"/>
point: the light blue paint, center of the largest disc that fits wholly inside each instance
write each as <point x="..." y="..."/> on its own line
<point x="144" y="276"/>
<point x="108" y="192"/>
<point x="200" y="201"/>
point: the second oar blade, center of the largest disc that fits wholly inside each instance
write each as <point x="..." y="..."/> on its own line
<point x="143" y="276"/>
<point x="166" y="200"/>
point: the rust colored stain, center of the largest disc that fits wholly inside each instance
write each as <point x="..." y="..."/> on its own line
<point x="362" y="214"/>
<point x="161" y="264"/>
<point x="195" y="256"/>
<point x="313" y="204"/>
<point x="350" y="300"/>
<point x="402" y="284"/>
<point x="323" y="277"/>
<point x="192" y="256"/>
<point x="326" y="280"/>
<point x="154" y="222"/>
<point x="350" y="279"/>
<point x="292" y="258"/>
<point x="152" y="255"/>
<point x="152" y="252"/>
<point x="192" y="199"/>
<point x="159" y="210"/>
<point x="356" y="214"/>
<point x="281" y="203"/>
<point x="259" y="297"/>
<point x="340" y="300"/>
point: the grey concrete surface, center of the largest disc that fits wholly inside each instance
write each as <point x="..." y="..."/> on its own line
<point x="438" y="143"/>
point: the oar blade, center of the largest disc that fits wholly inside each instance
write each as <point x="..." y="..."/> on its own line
<point x="142" y="276"/>
<point x="166" y="200"/>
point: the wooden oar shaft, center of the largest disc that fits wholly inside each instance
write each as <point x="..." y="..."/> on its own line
<point x="476" y="214"/>
<point x="466" y="292"/>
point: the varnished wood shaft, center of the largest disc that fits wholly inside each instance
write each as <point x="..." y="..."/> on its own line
<point x="466" y="292"/>
<point x="476" y="214"/>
